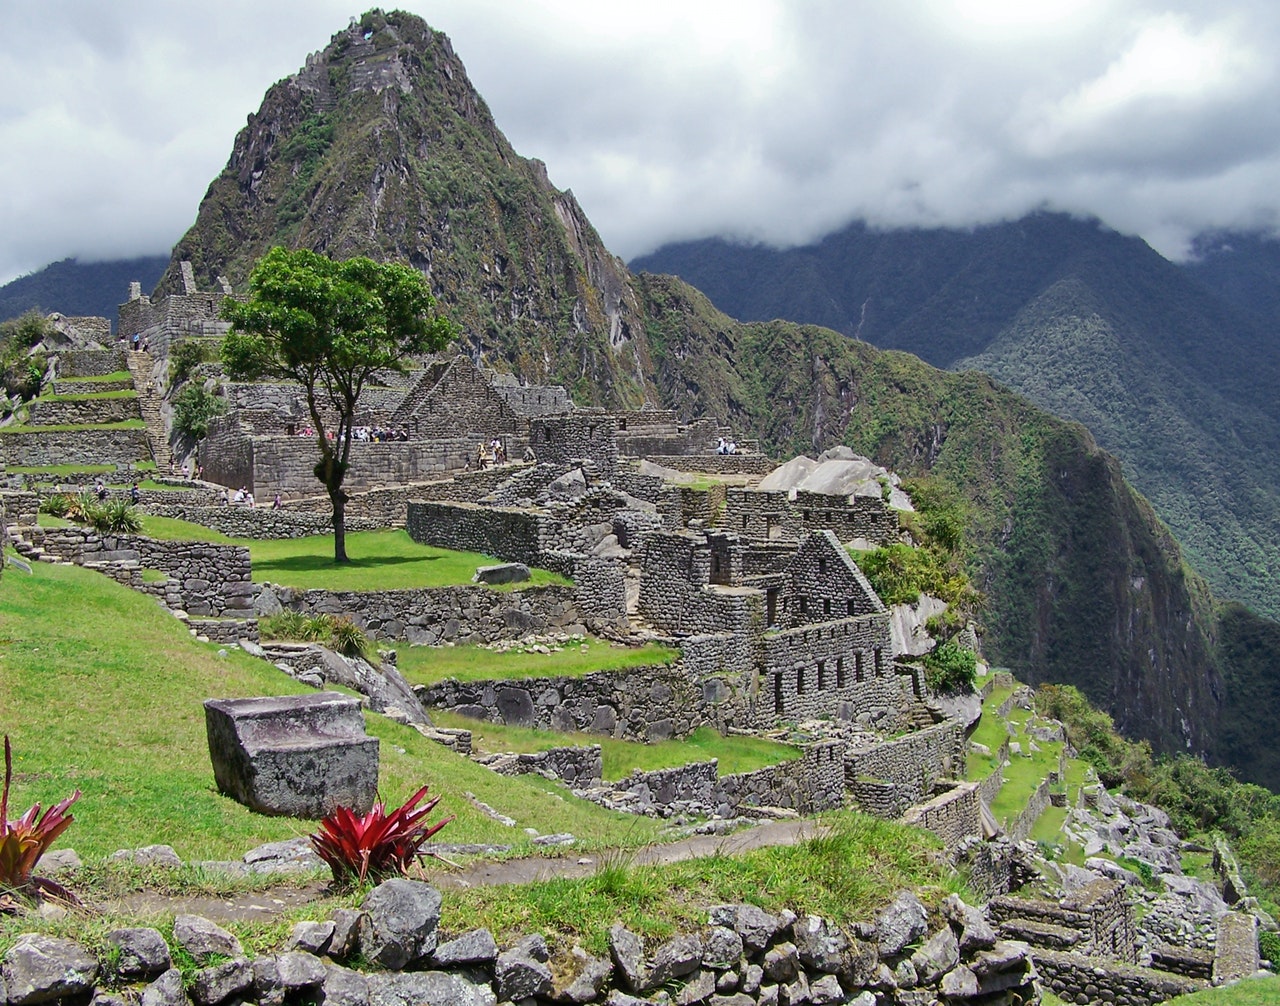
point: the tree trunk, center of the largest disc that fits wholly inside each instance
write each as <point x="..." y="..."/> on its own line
<point x="339" y="500"/>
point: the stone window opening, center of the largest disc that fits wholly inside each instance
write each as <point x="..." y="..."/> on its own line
<point x="826" y="606"/>
<point x="803" y="604"/>
<point x="852" y="606"/>
<point x="859" y="672"/>
<point x="822" y="564"/>
<point x="822" y="675"/>
<point x="799" y="680"/>
<point x="839" y="672"/>
<point x="879" y="661"/>
<point x="546" y="434"/>
<point x="778" y="695"/>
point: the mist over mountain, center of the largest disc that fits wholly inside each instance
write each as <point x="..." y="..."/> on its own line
<point x="380" y="146"/>
<point x="1172" y="368"/>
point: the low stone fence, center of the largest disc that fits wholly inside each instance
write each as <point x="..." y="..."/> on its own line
<point x="434" y="615"/>
<point x="19" y="507"/>
<point x="226" y="630"/>
<point x="1077" y="978"/>
<point x="201" y="578"/>
<point x="257" y="523"/>
<point x="911" y="764"/>
<point x="651" y="703"/>
<point x="989" y="788"/>
<point x="808" y="784"/>
<point x="78" y="386"/>
<point x="83" y="410"/>
<point x="577" y="766"/>
<point x="40" y="448"/>
<point x="717" y="464"/>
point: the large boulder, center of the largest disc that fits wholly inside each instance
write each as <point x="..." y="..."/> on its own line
<point x="398" y="927"/>
<point x="295" y="755"/>
<point x="39" y="968"/>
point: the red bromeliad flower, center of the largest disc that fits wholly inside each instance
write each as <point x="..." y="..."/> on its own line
<point x="24" y="841"/>
<point x="376" y="844"/>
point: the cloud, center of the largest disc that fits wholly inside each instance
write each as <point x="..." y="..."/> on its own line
<point x="760" y="119"/>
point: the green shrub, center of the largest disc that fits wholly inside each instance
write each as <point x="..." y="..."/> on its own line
<point x="21" y="371"/>
<point x="194" y="408"/>
<point x="339" y="633"/>
<point x="950" y="667"/>
<point x="187" y="354"/>
<point x="1269" y="944"/>
<point x="116" y="517"/>
<point x="57" y="505"/>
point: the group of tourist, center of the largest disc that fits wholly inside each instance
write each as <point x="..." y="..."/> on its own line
<point x="490" y="454"/>
<point x="242" y="497"/>
<point x="364" y="434"/>
<point x="724" y="446"/>
<point x="137" y="343"/>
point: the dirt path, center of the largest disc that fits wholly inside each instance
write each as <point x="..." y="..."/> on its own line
<point x="274" y="901"/>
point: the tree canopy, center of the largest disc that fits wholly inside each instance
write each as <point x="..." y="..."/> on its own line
<point x="330" y="325"/>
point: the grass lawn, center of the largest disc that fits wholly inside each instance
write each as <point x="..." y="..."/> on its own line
<point x="102" y="690"/>
<point x="848" y="874"/>
<point x="57" y="470"/>
<point x="119" y="375"/>
<point x="425" y="665"/>
<point x="380" y="560"/>
<point x="1250" y="992"/>
<point x="621" y="758"/>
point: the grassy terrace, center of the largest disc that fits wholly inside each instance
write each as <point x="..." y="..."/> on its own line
<point x="119" y="375"/>
<point x="425" y="665"/>
<point x="57" y="471"/>
<point x="20" y="430"/>
<point x="621" y="758"/>
<point x="1251" y="992"/>
<point x="380" y="560"/>
<point x="85" y="396"/>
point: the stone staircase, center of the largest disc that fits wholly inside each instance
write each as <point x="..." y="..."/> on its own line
<point x="141" y="367"/>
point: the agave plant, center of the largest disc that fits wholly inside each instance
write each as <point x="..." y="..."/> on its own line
<point x="378" y="844"/>
<point x="116" y="517"/>
<point x="24" y="841"/>
<point x="82" y="507"/>
<point x="56" y="505"/>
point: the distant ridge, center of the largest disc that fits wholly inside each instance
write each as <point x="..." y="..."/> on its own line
<point x="80" y="288"/>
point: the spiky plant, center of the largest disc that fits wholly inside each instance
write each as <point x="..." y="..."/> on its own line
<point x="24" y="841"/>
<point x="376" y="845"/>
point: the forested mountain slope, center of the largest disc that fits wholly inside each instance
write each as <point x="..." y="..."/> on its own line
<point x="1175" y="379"/>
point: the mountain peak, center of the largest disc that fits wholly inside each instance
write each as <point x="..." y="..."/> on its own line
<point x="380" y="146"/>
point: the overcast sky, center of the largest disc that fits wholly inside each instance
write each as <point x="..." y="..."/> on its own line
<point x="770" y="120"/>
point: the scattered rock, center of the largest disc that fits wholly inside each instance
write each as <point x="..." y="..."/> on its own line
<point x="398" y="927"/>
<point x="143" y="952"/>
<point x="202" y="939"/>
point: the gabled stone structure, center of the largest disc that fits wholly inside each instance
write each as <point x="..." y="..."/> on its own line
<point x="192" y="313"/>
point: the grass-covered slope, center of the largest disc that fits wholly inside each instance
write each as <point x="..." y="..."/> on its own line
<point x="101" y="690"/>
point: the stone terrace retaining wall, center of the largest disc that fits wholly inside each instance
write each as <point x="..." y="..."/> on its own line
<point x="953" y="816"/>
<point x="1026" y="820"/>
<point x="432" y="615"/>
<point x="19" y="507"/>
<point x="911" y="764"/>
<point x="203" y="578"/>
<point x="74" y="447"/>
<point x="574" y="765"/>
<point x="717" y="464"/>
<point x="1076" y="978"/>
<point x="644" y="703"/>
<point x="83" y="410"/>
<point x="74" y="386"/>
<point x="90" y="362"/>
<point x="511" y="534"/>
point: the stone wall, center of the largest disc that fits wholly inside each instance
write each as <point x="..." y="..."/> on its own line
<point x="19" y="508"/>
<point x="1026" y="820"/>
<point x="953" y="816"/>
<point x="645" y="703"/>
<point x="1077" y="978"/>
<point x="535" y="400"/>
<point x="90" y="362"/>
<point x="40" y="448"/>
<point x="82" y="328"/>
<point x="285" y="464"/>
<point x="202" y="578"/>
<point x="911" y="764"/>
<point x="510" y="534"/>
<point x="774" y="516"/>
<point x="713" y="464"/>
<point x="435" y="615"/>
<point x="47" y="412"/>
<point x="577" y="766"/>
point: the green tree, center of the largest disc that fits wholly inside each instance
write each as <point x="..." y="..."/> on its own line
<point x="329" y="326"/>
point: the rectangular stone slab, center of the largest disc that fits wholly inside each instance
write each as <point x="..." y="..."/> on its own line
<point x="293" y="755"/>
